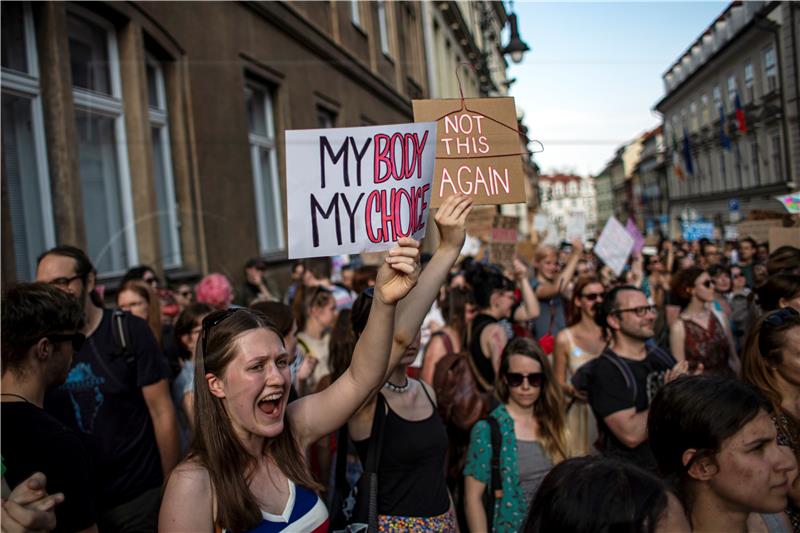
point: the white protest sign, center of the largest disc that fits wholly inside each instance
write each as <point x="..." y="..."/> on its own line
<point x="551" y="235"/>
<point x="356" y="190"/>
<point x="614" y="245"/>
<point x="576" y="225"/>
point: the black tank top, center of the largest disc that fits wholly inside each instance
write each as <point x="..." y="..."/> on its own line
<point x="483" y="364"/>
<point x="411" y="478"/>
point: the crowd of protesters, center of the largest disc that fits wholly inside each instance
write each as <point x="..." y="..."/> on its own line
<point x="428" y="393"/>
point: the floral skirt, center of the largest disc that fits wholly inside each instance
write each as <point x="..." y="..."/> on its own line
<point x="416" y="524"/>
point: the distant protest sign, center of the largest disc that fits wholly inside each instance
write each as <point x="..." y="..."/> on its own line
<point x="783" y="237"/>
<point x="614" y="245"/>
<point x="477" y="149"/>
<point x="504" y="238"/>
<point x="354" y="190"/>
<point x="638" y="238"/>
<point x="576" y="226"/>
<point x="694" y="231"/>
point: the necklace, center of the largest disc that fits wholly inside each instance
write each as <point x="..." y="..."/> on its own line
<point x="398" y="388"/>
<point x="23" y="398"/>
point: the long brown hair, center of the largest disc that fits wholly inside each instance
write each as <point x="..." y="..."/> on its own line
<point x="215" y="446"/>
<point x="763" y="350"/>
<point x="549" y="407"/>
<point x="153" y="304"/>
<point x="306" y="299"/>
<point x="577" y="292"/>
<point x="454" y="310"/>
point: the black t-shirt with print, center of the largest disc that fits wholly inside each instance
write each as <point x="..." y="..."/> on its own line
<point x="102" y="400"/>
<point x="610" y="393"/>
<point x="33" y="441"/>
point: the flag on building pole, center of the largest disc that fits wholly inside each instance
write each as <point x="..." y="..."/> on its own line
<point x="676" y="159"/>
<point x="724" y="139"/>
<point x="741" y="125"/>
<point x="687" y="154"/>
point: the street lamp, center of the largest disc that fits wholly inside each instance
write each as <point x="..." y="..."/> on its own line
<point x="516" y="47"/>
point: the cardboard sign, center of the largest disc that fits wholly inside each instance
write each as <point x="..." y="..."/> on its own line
<point x="614" y="245"/>
<point x="354" y="190"/>
<point x="758" y="230"/>
<point x="638" y="239"/>
<point x="479" y="222"/>
<point x="477" y="149"/>
<point x="784" y="237"/>
<point x="503" y="243"/>
<point x="694" y="231"/>
<point x="576" y="226"/>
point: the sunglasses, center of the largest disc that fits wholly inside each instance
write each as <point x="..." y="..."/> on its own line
<point x="593" y="296"/>
<point x="214" y="319"/>
<point x="640" y="311"/>
<point x="151" y="281"/>
<point x="515" y="379"/>
<point x="77" y="339"/>
<point x="185" y="294"/>
<point x="774" y="320"/>
<point x="708" y="283"/>
<point x="64" y="282"/>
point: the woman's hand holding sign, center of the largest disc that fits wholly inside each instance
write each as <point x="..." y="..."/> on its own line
<point x="450" y="219"/>
<point x="399" y="272"/>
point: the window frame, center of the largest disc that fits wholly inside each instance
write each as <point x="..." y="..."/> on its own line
<point x="769" y="52"/>
<point x="27" y="85"/>
<point x="383" y="28"/>
<point x="355" y="13"/>
<point x="749" y="83"/>
<point x="258" y="142"/>
<point x="113" y="106"/>
<point x="158" y="117"/>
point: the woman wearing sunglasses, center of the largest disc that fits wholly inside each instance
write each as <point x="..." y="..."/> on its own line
<point x="701" y="335"/>
<point x="246" y="468"/>
<point x="771" y="362"/>
<point x="533" y="437"/>
<point x="576" y="345"/>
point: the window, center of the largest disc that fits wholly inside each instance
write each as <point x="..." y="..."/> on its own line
<point x="24" y="150"/>
<point x="383" y="28"/>
<point x="731" y="91"/>
<point x="326" y="118"/>
<point x="706" y="118"/>
<point x="572" y="188"/>
<point x="355" y="13"/>
<point x="559" y="190"/>
<point x="263" y="158"/>
<point x="716" y="93"/>
<point x="749" y="84"/>
<point x="756" y="165"/>
<point x="102" y="149"/>
<point x="770" y="70"/>
<point x="775" y="157"/>
<point x="162" y="165"/>
<point x="693" y="114"/>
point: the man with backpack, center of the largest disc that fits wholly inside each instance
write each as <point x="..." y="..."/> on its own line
<point x="117" y="396"/>
<point x="625" y="377"/>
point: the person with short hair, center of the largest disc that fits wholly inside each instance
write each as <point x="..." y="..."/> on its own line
<point x="596" y="494"/>
<point x="747" y="253"/>
<point x="216" y="290"/>
<point x="255" y="286"/>
<point x="713" y="438"/>
<point x="117" y="398"/>
<point x="41" y="332"/>
<point x="317" y="273"/>
<point x="625" y="377"/>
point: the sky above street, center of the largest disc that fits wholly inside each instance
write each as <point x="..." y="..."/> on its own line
<point x="593" y="75"/>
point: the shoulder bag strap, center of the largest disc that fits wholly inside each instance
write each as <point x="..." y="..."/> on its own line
<point x="497" y="443"/>
<point x="448" y="344"/>
<point x="373" y="459"/>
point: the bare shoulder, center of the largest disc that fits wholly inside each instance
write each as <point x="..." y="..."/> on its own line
<point x="188" y="499"/>
<point x="428" y="389"/>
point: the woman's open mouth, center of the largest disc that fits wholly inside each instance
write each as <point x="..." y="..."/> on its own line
<point x="270" y="403"/>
